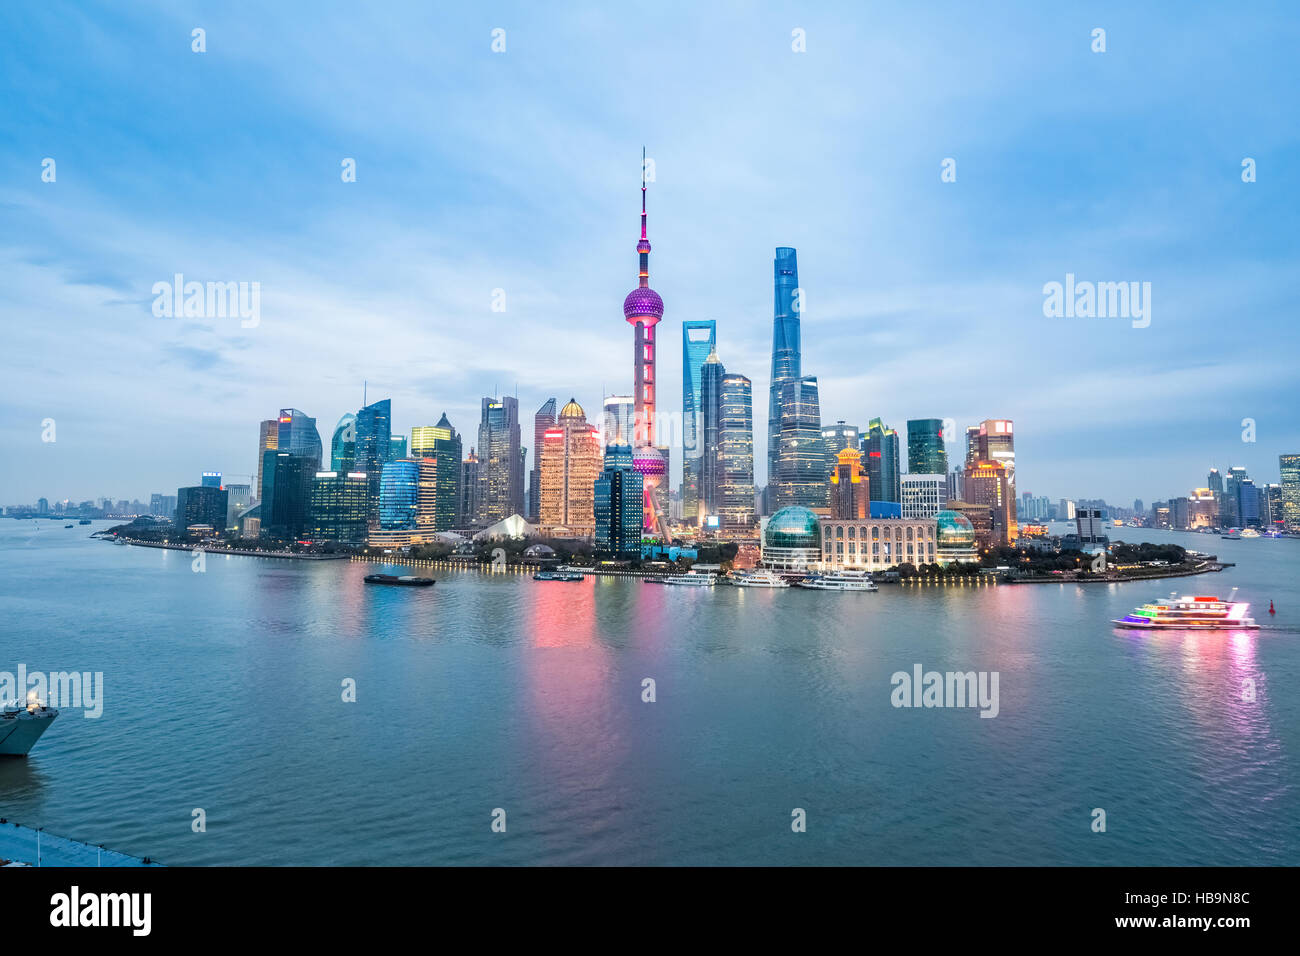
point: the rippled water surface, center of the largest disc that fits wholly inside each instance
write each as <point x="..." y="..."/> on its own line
<point x="223" y="691"/>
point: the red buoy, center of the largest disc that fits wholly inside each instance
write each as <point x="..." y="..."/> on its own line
<point x="1270" y="608"/>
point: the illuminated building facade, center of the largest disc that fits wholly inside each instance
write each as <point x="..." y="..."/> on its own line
<point x="571" y="463"/>
<point x="956" y="538"/>
<point x="268" y="439"/>
<point x="501" y="461"/>
<point x="699" y="339"/>
<point x="469" y="488"/>
<point x="619" y="420"/>
<point x="736" y="452"/>
<point x="1289" y="469"/>
<point x="791" y="539"/>
<point x="875" y="544"/>
<point x="801" y="460"/>
<point x="836" y="438"/>
<point x="442" y="444"/>
<point x="286" y="508"/>
<point x="298" y="435"/>
<point x="643" y="309"/>
<point x="338" y="508"/>
<point x="399" y="495"/>
<point x="924" y="496"/>
<point x="373" y="444"/>
<point x="710" y="426"/>
<point x="987" y="483"/>
<point x="343" y="444"/>
<point x="200" y="505"/>
<point x="849" y="491"/>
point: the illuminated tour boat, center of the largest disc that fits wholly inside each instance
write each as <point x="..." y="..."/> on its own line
<point x="1191" y="613"/>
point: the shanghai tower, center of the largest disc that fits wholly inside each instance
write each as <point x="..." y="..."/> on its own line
<point x="786" y="362"/>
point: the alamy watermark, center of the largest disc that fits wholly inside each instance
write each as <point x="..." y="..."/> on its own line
<point x="1098" y="300"/>
<point x="60" y="689"/>
<point x="210" y="300"/>
<point x="923" y="688"/>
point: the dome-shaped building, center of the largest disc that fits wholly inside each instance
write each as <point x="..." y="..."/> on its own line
<point x="956" y="537"/>
<point x="792" y="539"/>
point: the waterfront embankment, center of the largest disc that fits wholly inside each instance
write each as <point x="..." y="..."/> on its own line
<point x="25" y="846"/>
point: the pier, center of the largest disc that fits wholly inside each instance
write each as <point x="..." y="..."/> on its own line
<point x="24" y="846"/>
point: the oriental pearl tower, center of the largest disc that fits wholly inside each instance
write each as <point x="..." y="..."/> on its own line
<point x="643" y="309"/>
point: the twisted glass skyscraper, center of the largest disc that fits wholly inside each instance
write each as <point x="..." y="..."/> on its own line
<point x="786" y="358"/>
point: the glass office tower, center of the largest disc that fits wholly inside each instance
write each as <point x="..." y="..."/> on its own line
<point x="542" y="420"/>
<point x="373" y="444"/>
<point x="786" y="358"/>
<point x="736" y="452"/>
<point x="926" y="454"/>
<point x="801" y="459"/>
<point x="298" y="435"/>
<point x="709" y="501"/>
<point x="441" y="443"/>
<point x="619" y="503"/>
<point x="399" y="495"/>
<point x="343" y="444"/>
<point x="881" y="455"/>
<point x="699" y="339"/>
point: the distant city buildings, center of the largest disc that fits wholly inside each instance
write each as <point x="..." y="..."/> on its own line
<point x="618" y="505"/>
<point x="926" y="454"/>
<point x="543" y="419"/>
<point x="923" y="496"/>
<point x="500" y="462"/>
<point x="571" y="464"/>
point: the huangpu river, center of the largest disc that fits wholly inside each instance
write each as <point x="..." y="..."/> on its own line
<point x="223" y="692"/>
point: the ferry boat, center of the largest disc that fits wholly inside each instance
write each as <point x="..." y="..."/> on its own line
<point x="407" y="580"/>
<point x="21" y="727"/>
<point x="558" y="576"/>
<point x="1249" y="533"/>
<point x="1232" y="535"/>
<point x="759" y="579"/>
<point x="84" y="521"/>
<point x="840" y="581"/>
<point x="691" y="579"/>
<point x="1199" y="613"/>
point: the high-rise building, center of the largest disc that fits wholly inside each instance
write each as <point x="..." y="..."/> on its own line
<point x="801" y="462"/>
<point x="286" y="507"/>
<point x="643" y="309"/>
<point x="850" y="491"/>
<point x="268" y="437"/>
<point x="571" y="463"/>
<point x="339" y="505"/>
<point x="160" y="505"/>
<point x="1270" y="506"/>
<point x="399" y="495"/>
<point x="924" y="496"/>
<point x="469" y="489"/>
<point x="787" y="361"/>
<point x="396" y="447"/>
<point x="987" y="483"/>
<point x="343" y="444"/>
<point x="619" y="504"/>
<point x="736" y="452"/>
<point x="501" y="463"/>
<point x="442" y="445"/>
<point x="210" y="479"/>
<point x="373" y="445"/>
<point x="881" y="452"/>
<point x="997" y="443"/>
<point x="542" y="420"/>
<point x="972" y="445"/>
<point x="1230" y="509"/>
<point x="1289" y="472"/>
<point x="926" y="454"/>
<point x="1202" y="509"/>
<point x="709" y="501"/>
<point x="699" y="341"/>
<point x="1065" y="510"/>
<point x="238" y="498"/>
<point x="836" y="438"/>
<point x="203" y="505"/>
<point x="298" y="435"/>
<point x="620" y="420"/>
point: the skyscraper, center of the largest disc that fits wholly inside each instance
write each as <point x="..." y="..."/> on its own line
<point x="642" y="309"/>
<point x="298" y="435"/>
<point x="571" y="463"/>
<point x="836" y="438"/>
<point x="849" y="486"/>
<point x="396" y="447"/>
<point x="268" y="438"/>
<point x="338" y="507"/>
<point x="881" y="452"/>
<point x="1289" y="469"/>
<point x="442" y="444"/>
<point x="501" y="464"/>
<point x="373" y="445"/>
<point x="618" y="504"/>
<point x="924" y="496"/>
<point x="710" y="439"/>
<point x="801" y="462"/>
<point x="399" y="495"/>
<point x="620" y="418"/>
<point x="926" y="454"/>
<point x="988" y="483"/>
<point x="1230" y="510"/>
<point x="997" y="443"/>
<point x="200" y="505"/>
<point x="286" y="508"/>
<point x="787" y="361"/>
<point x="542" y="420"/>
<point x="467" y="514"/>
<point x="736" y="452"/>
<point x="343" y="444"/>
<point x="699" y="340"/>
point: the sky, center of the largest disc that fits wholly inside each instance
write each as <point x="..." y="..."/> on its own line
<point x="520" y="171"/>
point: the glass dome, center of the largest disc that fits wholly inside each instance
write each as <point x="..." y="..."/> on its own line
<point x="793" y="527"/>
<point x="955" y="530"/>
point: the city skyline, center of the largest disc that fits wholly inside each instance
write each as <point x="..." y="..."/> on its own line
<point x="391" y="278"/>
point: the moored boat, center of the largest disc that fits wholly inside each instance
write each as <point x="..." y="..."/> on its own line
<point x="840" y="581"/>
<point x="759" y="579"/>
<point x="1200" y="613"/>
<point x="691" y="579"/>
<point x="21" y="727"/>
<point x="558" y="576"/>
<point x="406" y="580"/>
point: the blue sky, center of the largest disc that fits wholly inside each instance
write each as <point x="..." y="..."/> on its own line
<point x="520" y="171"/>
